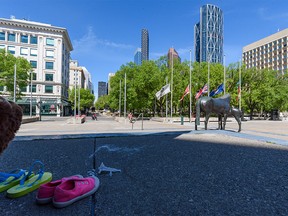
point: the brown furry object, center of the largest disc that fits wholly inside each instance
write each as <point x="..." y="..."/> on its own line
<point x="10" y="121"/>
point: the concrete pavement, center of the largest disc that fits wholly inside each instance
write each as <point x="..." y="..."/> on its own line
<point x="55" y="128"/>
<point x="166" y="168"/>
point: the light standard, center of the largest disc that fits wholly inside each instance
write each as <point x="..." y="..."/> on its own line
<point x="75" y="95"/>
<point x="190" y="101"/>
<point x="120" y="100"/>
<point x="171" y="89"/>
<point x="14" y="95"/>
<point x="30" y="94"/>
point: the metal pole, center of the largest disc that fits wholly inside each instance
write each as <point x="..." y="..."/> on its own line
<point x="224" y="84"/>
<point x="190" y="101"/>
<point x="79" y="87"/>
<point x="30" y="94"/>
<point x="240" y="85"/>
<point x="120" y="101"/>
<point x="208" y="87"/>
<point x="14" y="95"/>
<point x="166" y="100"/>
<point x="171" y="108"/>
<point x="75" y="94"/>
<point x="125" y="98"/>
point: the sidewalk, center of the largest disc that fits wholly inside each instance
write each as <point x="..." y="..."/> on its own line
<point x="166" y="168"/>
<point x="57" y="128"/>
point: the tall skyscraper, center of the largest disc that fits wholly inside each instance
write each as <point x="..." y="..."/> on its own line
<point x="172" y="53"/>
<point x="102" y="89"/>
<point x="208" y="35"/>
<point x="137" y="56"/>
<point x="144" y="45"/>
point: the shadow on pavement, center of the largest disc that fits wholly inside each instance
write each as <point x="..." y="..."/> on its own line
<point x="160" y="175"/>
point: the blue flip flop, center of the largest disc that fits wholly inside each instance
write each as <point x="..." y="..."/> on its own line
<point x="8" y="180"/>
<point x="30" y="184"/>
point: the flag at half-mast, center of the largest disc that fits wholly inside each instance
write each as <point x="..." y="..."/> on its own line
<point x="187" y="91"/>
<point x="202" y="91"/>
<point x="164" y="90"/>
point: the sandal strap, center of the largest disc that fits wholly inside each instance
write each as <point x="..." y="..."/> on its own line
<point x="5" y="176"/>
<point x="40" y="173"/>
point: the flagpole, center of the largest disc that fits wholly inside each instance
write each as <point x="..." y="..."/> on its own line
<point x="120" y="100"/>
<point x="190" y="107"/>
<point x="240" y="84"/>
<point x="208" y="87"/>
<point x="171" y="90"/>
<point x="125" y="99"/>
<point x="166" y="100"/>
<point x="224" y="85"/>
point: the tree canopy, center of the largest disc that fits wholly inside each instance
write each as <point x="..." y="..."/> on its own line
<point x="262" y="90"/>
<point x="7" y="68"/>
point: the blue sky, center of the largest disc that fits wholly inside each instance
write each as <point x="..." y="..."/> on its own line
<point x="106" y="33"/>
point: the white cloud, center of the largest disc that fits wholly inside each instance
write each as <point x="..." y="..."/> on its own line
<point x="89" y="41"/>
<point x="267" y="15"/>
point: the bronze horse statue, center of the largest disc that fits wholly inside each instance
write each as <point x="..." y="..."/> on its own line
<point x="219" y="106"/>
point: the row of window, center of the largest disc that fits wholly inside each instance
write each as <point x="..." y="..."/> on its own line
<point x="12" y="37"/>
<point x="48" y="88"/>
<point x="48" y="77"/>
<point x="25" y="51"/>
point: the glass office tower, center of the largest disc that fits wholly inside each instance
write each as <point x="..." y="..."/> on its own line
<point x="145" y="45"/>
<point x="208" y="35"/>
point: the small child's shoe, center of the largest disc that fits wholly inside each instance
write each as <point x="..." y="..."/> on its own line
<point x="72" y="190"/>
<point x="46" y="191"/>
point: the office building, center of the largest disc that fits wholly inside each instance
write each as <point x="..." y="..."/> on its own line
<point x="144" y="45"/>
<point x="110" y="75"/>
<point x="208" y="35"/>
<point x="137" y="56"/>
<point x="269" y="52"/>
<point x="48" y="49"/>
<point x="173" y="54"/>
<point x="102" y="89"/>
<point x="80" y="77"/>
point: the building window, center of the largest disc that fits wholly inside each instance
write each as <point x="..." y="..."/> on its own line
<point x="34" y="76"/>
<point x="50" y="53"/>
<point x="23" y="89"/>
<point x="33" y="52"/>
<point x="33" y="40"/>
<point x="49" y="65"/>
<point x="33" y="64"/>
<point x="48" y="89"/>
<point x="49" y="41"/>
<point x="2" y="46"/>
<point x="33" y="88"/>
<point x="11" y="37"/>
<point x="49" y="77"/>
<point x="2" y="35"/>
<point x="24" y="39"/>
<point x="23" y="51"/>
<point x="11" y="49"/>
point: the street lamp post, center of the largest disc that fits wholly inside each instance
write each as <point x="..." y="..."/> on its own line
<point x="30" y="94"/>
<point x="14" y="95"/>
<point x="75" y="95"/>
<point x="125" y="98"/>
<point x="190" y="88"/>
<point x="171" y="108"/>
<point x="79" y="86"/>
<point x="120" y="100"/>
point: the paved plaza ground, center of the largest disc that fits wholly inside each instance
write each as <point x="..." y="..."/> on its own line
<point x="166" y="168"/>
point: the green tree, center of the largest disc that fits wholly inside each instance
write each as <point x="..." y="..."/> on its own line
<point x="102" y="102"/>
<point x="86" y="98"/>
<point x="23" y="68"/>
